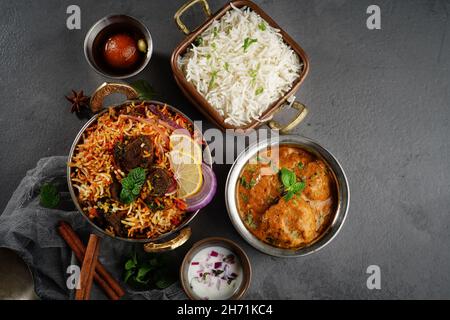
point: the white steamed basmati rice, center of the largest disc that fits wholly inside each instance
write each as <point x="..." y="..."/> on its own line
<point x="241" y="66"/>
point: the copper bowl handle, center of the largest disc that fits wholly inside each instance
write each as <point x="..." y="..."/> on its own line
<point x="176" y="242"/>
<point x="107" y="89"/>
<point x="301" y="115"/>
<point x="184" y="8"/>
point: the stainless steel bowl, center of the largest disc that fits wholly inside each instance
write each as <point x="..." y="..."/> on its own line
<point x="343" y="195"/>
<point x="220" y="242"/>
<point x="118" y="23"/>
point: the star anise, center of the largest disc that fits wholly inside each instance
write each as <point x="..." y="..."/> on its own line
<point x="78" y="100"/>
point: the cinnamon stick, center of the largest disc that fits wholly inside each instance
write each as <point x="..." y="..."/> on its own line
<point x="88" y="268"/>
<point x="79" y="254"/>
<point x="103" y="278"/>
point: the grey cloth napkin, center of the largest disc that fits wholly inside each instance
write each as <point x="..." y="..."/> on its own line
<point x="30" y="230"/>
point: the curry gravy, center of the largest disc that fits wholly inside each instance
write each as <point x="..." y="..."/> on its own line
<point x="272" y="214"/>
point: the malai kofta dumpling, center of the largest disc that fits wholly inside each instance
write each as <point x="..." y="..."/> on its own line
<point x="318" y="181"/>
<point x="289" y="223"/>
<point x="254" y="184"/>
<point x="294" y="159"/>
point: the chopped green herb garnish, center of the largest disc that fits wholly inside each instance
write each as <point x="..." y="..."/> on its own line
<point x="49" y="196"/>
<point x="274" y="167"/>
<point x="262" y="159"/>
<point x="132" y="184"/>
<point x="248" y="185"/>
<point x="217" y="272"/>
<point x="248" y="42"/>
<point x="198" y="41"/>
<point x="212" y="82"/>
<point x="262" y="26"/>
<point x="244" y="198"/>
<point x="154" y="206"/>
<point x="208" y="56"/>
<point x="259" y="91"/>
<point x="215" y="32"/>
<point x="253" y="73"/>
<point x="301" y="165"/>
<point x="290" y="183"/>
<point x="213" y="45"/>
<point x="226" y="66"/>
<point x="249" y="221"/>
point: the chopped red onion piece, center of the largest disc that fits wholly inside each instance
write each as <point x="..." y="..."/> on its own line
<point x="202" y="198"/>
<point x="214" y="254"/>
<point x="217" y="265"/>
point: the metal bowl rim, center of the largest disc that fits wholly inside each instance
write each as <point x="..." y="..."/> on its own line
<point x="149" y="47"/>
<point x="341" y="209"/>
<point x="75" y="200"/>
<point x="218" y="241"/>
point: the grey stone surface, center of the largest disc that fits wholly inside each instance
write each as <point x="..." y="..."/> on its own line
<point x="379" y="100"/>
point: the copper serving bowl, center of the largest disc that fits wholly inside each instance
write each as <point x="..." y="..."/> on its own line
<point x="179" y="235"/>
<point x="202" y="104"/>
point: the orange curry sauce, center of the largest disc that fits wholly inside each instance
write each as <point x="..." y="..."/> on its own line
<point x="266" y="209"/>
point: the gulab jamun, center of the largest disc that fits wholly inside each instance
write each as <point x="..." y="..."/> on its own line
<point x="121" y="51"/>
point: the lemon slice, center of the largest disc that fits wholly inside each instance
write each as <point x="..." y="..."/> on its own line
<point x="184" y="144"/>
<point x="187" y="173"/>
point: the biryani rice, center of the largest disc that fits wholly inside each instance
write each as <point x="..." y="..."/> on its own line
<point x="93" y="167"/>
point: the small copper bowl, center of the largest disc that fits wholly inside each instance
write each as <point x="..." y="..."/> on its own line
<point x="219" y="242"/>
<point x="112" y="24"/>
<point x="203" y="105"/>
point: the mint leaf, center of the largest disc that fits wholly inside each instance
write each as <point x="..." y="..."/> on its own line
<point x="49" y="196"/>
<point x="137" y="175"/>
<point x="150" y="270"/>
<point x="136" y="190"/>
<point x="132" y="185"/>
<point x="142" y="272"/>
<point x="287" y="177"/>
<point x="163" y="283"/>
<point x="126" y="197"/>
<point x="141" y="281"/>
<point x="290" y="183"/>
<point x="144" y="89"/>
<point x="288" y="196"/>
<point x="298" y="187"/>
<point x="128" y="274"/>
<point x="130" y="264"/>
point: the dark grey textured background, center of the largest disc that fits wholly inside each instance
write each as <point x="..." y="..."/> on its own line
<point x="379" y="100"/>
